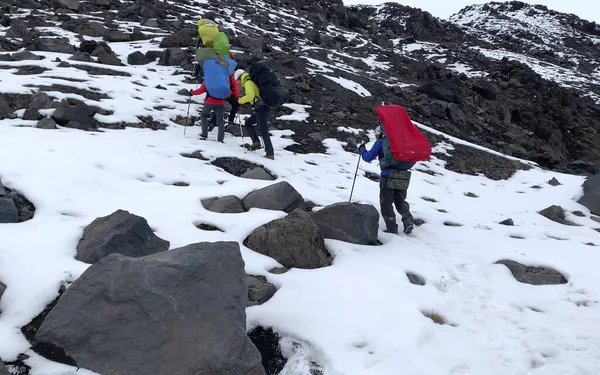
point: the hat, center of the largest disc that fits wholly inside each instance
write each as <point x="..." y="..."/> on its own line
<point x="238" y="73"/>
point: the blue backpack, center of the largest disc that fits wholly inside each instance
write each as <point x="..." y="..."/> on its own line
<point x="217" y="71"/>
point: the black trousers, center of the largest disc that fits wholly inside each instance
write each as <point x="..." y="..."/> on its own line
<point x="259" y="117"/>
<point x="388" y="198"/>
<point x="235" y="106"/>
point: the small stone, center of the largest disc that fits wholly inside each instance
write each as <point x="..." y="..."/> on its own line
<point x="415" y="279"/>
<point x="578" y="213"/>
<point x="419" y="222"/>
<point x="554" y="182"/>
<point x="471" y="195"/>
<point x="278" y="270"/>
<point x="508" y="222"/>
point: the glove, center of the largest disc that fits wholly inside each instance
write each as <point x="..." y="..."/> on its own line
<point x="361" y="148"/>
<point x="191" y="92"/>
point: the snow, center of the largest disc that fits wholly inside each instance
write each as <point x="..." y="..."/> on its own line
<point x="349" y="130"/>
<point x="464" y="68"/>
<point x="359" y="316"/>
<point x="350" y="85"/>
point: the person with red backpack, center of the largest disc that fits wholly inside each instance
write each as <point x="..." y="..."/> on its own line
<point x="390" y="195"/>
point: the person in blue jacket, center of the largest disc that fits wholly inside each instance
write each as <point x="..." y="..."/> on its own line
<point x="389" y="195"/>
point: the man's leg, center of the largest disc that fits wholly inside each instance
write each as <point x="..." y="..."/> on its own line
<point x="219" y="110"/>
<point x="262" y="112"/>
<point x="249" y="125"/>
<point x="206" y="109"/>
<point x="404" y="210"/>
<point x="386" y="202"/>
<point x="235" y="106"/>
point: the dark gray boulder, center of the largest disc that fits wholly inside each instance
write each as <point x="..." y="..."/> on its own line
<point x="175" y="57"/>
<point x="591" y="194"/>
<point x="8" y="211"/>
<point x="5" y="110"/>
<point x="257" y="173"/>
<point x="533" y="275"/>
<point x="46" y="123"/>
<point x="350" y="222"/>
<point x="294" y="241"/>
<point x="65" y="113"/>
<point x="280" y="196"/>
<point x="176" y="312"/>
<point x="40" y="100"/>
<point x="32" y="114"/>
<point x="70" y="4"/>
<point x="2" y="289"/>
<point x="182" y="38"/>
<point x="137" y="58"/>
<point x="485" y="89"/>
<point x="229" y="204"/>
<point x="3" y="369"/>
<point x="556" y="214"/>
<point x="25" y="55"/>
<point x="59" y="45"/>
<point x="120" y="232"/>
<point x="259" y="290"/>
<point x="415" y="279"/>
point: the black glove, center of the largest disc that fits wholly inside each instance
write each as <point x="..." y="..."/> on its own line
<point x="362" y="147"/>
<point x="191" y="91"/>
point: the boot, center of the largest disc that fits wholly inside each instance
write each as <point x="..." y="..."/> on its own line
<point x="254" y="146"/>
<point x="272" y="157"/>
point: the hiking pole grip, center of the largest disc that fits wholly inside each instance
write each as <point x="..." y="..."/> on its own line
<point x="353" y="182"/>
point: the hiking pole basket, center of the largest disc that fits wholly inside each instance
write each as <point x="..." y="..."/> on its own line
<point x="355" y="174"/>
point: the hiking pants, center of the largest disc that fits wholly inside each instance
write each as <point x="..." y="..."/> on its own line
<point x="259" y="117"/>
<point x="388" y="198"/>
<point x="235" y="106"/>
<point x="219" y="110"/>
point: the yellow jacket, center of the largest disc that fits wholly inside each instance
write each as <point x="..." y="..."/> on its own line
<point x="251" y="90"/>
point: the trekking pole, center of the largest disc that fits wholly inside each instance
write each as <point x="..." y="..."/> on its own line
<point x="239" y="120"/>
<point x="187" y="116"/>
<point x="355" y="174"/>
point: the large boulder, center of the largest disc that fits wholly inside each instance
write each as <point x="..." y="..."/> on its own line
<point x="294" y="241"/>
<point x="76" y="116"/>
<point x="556" y="214"/>
<point x="229" y="204"/>
<point x="8" y="211"/>
<point x="591" y="194"/>
<point x="120" y="232"/>
<point x="485" y="89"/>
<point x="176" y="312"/>
<point x="280" y="196"/>
<point x="3" y="369"/>
<point x="58" y="45"/>
<point x="350" y="222"/>
<point x="533" y="275"/>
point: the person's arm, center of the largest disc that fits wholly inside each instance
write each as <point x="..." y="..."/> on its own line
<point x="235" y="87"/>
<point x="250" y="93"/>
<point x="370" y="155"/>
<point x="200" y="90"/>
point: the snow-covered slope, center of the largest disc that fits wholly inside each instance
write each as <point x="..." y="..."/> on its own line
<point x="361" y="315"/>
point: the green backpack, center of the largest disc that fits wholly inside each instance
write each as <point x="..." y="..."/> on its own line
<point x="221" y="44"/>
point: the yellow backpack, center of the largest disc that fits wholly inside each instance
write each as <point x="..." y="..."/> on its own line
<point x="207" y="29"/>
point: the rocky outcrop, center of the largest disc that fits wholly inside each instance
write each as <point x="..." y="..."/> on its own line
<point x="350" y="222"/>
<point x="14" y="207"/>
<point x="534" y="275"/>
<point x="120" y="232"/>
<point x="180" y="311"/>
<point x="280" y="197"/>
<point x="294" y="241"/>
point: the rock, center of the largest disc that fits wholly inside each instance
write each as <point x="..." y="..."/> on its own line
<point x="176" y="57"/>
<point x="278" y="270"/>
<point x="252" y="45"/>
<point x="3" y="369"/>
<point x="5" y="110"/>
<point x="88" y="46"/>
<point x="578" y="213"/>
<point x="556" y="214"/>
<point x="350" y="222"/>
<point x="70" y="4"/>
<point x="534" y="275"/>
<point x="59" y="45"/>
<point x="554" y="182"/>
<point x="108" y="59"/>
<point x="117" y="36"/>
<point x="455" y="114"/>
<point x="438" y="108"/>
<point x="294" y="241"/>
<point x="415" y="279"/>
<point x="485" y="89"/>
<point x="444" y="90"/>
<point x="65" y="112"/>
<point x="591" y="194"/>
<point x="181" y="310"/>
<point x="2" y="289"/>
<point x="595" y="218"/>
<point x="8" y="211"/>
<point x="229" y="204"/>
<point x="182" y="38"/>
<point x="508" y="222"/>
<point x="259" y="290"/>
<point x="46" y="123"/>
<point x="280" y="196"/>
<point x="40" y="100"/>
<point x="32" y="115"/>
<point x="82" y="56"/>
<point x="137" y="58"/>
<point x="25" y="55"/>
<point x="120" y="232"/>
<point x="257" y="173"/>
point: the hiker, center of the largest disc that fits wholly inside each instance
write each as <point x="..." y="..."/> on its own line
<point x="233" y="101"/>
<point x="390" y="194"/>
<point x="263" y="92"/>
<point x="259" y="116"/>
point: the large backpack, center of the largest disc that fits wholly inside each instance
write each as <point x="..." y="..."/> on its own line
<point x="221" y="44"/>
<point x="217" y="71"/>
<point x="269" y="85"/>
<point x="403" y="144"/>
<point x="207" y="30"/>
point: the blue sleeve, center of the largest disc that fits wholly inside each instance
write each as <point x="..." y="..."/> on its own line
<point x="372" y="153"/>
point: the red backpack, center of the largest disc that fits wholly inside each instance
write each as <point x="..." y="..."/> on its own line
<point x="406" y="141"/>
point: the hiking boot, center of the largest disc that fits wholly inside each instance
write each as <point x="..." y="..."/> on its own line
<point x="203" y="136"/>
<point x="391" y="231"/>
<point x="272" y="157"/>
<point x="254" y="146"/>
<point x="409" y="228"/>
